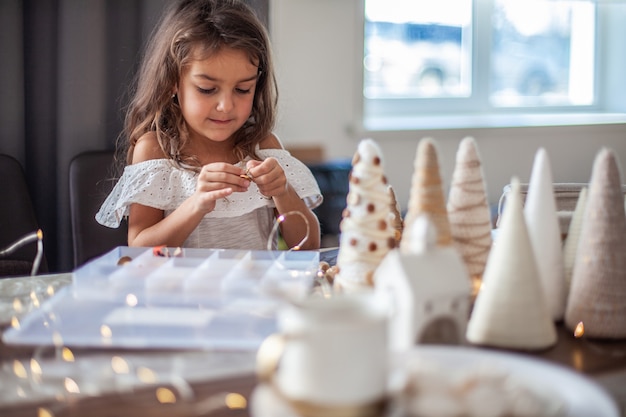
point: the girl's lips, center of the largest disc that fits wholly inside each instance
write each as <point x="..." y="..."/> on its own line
<point x="220" y="122"/>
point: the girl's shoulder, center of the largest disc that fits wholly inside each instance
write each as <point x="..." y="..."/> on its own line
<point x="147" y="148"/>
<point x="270" y="142"/>
<point x="271" y="146"/>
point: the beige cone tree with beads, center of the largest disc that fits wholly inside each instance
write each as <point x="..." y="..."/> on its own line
<point x="367" y="229"/>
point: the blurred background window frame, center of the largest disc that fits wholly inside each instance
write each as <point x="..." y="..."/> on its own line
<point x="604" y="50"/>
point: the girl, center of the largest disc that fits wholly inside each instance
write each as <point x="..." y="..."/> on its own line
<point x="203" y="168"/>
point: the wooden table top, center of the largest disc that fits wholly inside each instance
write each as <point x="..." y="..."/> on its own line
<point x="231" y="373"/>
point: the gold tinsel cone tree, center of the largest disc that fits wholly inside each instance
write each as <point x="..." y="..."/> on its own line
<point x="597" y="295"/>
<point x="468" y="210"/>
<point x="427" y="195"/>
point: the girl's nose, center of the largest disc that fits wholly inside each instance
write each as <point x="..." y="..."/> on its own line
<point x="225" y="102"/>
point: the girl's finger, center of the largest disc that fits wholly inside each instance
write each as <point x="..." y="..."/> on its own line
<point x="217" y="180"/>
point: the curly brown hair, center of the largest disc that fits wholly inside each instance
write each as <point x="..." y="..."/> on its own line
<point x="192" y="26"/>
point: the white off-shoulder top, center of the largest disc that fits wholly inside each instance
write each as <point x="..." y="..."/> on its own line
<point x="241" y="221"/>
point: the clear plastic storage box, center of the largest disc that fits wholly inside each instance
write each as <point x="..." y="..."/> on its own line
<point x="198" y="298"/>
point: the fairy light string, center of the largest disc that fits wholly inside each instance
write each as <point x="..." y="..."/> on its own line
<point x="279" y="220"/>
<point x="25" y="240"/>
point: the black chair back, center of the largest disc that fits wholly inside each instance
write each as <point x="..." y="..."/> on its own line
<point x="333" y="178"/>
<point x="91" y="180"/>
<point x="17" y="219"/>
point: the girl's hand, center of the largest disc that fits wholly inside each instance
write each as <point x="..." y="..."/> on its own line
<point x="218" y="180"/>
<point x="269" y="176"/>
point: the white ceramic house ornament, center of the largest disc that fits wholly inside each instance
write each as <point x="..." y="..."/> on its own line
<point x="510" y="310"/>
<point x="428" y="290"/>
<point x="545" y="234"/>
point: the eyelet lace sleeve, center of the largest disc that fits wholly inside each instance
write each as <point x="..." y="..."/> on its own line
<point x="158" y="183"/>
<point x="298" y="175"/>
<point x="154" y="183"/>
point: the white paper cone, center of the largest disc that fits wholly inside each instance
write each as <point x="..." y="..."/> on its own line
<point x="545" y="234"/>
<point x="510" y="310"/>
<point x="573" y="237"/>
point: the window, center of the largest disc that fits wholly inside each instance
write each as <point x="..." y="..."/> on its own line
<point x="417" y="49"/>
<point x="425" y="57"/>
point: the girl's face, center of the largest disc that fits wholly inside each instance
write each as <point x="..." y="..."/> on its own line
<point x="215" y="94"/>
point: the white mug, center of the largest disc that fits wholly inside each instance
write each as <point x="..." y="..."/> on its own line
<point x="332" y="357"/>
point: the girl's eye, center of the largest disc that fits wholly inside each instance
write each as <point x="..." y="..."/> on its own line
<point x="243" y="91"/>
<point x="205" y="90"/>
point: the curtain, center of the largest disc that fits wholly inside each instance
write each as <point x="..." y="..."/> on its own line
<point x="64" y="73"/>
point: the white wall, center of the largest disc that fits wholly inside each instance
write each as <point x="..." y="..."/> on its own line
<point x="316" y="49"/>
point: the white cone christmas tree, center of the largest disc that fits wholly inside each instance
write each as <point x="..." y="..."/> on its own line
<point x="468" y="210"/>
<point x="427" y="196"/>
<point x="367" y="230"/>
<point x="510" y="310"/>
<point x="573" y="237"/>
<point x="545" y="234"/>
<point x="598" y="290"/>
